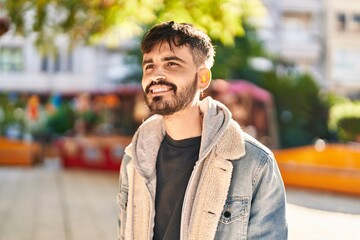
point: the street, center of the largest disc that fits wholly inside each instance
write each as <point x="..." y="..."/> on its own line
<point x="47" y="202"/>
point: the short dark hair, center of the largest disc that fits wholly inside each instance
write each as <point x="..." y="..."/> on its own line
<point x="180" y="34"/>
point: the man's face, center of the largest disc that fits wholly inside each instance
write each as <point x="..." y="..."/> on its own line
<point x="169" y="79"/>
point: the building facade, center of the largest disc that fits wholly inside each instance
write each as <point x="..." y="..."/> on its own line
<point x="319" y="36"/>
<point x="293" y="31"/>
<point x="85" y="68"/>
<point x="343" y="46"/>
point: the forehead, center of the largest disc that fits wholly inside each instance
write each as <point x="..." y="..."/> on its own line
<point x="164" y="49"/>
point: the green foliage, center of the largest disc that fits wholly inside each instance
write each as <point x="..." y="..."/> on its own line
<point x="11" y="111"/>
<point x="301" y="111"/>
<point x="331" y="99"/>
<point x="232" y="62"/>
<point x="302" y="114"/>
<point x="61" y="121"/>
<point x="349" y="128"/>
<point x="110" y="21"/>
<point x="345" y="120"/>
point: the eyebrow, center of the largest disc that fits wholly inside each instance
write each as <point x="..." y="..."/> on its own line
<point x="164" y="59"/>
<point x="173" y="58"/>
<point x="147" y="61"/>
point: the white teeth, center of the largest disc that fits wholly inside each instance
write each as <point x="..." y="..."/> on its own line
<point x="160" y="89"/>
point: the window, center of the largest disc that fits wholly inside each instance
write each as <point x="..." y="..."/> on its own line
<point x="11" y="59"/>
<point x="356" y="22"/>
<point x="58" y="63"/>
<point x="341" y="21"/>
<point x="296" y="26"/>
<point x="50" y="63"/>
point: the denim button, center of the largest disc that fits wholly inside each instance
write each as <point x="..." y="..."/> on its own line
<point x="227" y="214"/>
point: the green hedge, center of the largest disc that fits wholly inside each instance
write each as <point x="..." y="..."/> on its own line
<point x="344" y="119"/>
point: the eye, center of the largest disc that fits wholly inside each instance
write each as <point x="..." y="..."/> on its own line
<point x="172" y="64"/>
<point x="149" y="66"/>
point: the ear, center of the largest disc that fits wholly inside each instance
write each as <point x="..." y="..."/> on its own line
<point x="204" y="78"/>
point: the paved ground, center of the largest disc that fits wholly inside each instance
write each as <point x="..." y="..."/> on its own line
<point x="322" y="216"/>
<point x="43" y="203"/>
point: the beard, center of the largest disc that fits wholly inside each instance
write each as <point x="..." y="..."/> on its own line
<point x="179" y="99"/>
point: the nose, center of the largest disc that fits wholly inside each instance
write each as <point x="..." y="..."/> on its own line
<point x="154" y="79"/>
<point x="157" y="74"/>
<point x="158" y="78"/>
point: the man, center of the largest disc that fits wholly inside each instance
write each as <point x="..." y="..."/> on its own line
<point x="190" y="172"/>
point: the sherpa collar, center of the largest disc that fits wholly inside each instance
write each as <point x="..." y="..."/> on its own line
<point x="219" y="131"/>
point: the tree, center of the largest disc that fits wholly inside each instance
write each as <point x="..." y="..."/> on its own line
<point x="344" y="119"/>
<point x="91" y="20"/>
<point x="233" y="62"/>
<point x="301" y="112"/>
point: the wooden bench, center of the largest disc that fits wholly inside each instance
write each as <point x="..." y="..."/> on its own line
<point x="17" y="152"/>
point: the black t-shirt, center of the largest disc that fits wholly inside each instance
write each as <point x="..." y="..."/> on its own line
<point x="175" y="162"/>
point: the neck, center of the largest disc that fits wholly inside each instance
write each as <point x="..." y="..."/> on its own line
<point x="184" y="124"/>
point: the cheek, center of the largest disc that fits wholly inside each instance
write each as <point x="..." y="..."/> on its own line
<point x="143" y="84"/>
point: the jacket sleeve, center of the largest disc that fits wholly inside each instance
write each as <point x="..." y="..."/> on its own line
<point x="122" y="197"/>
<point x="268" y="211"/>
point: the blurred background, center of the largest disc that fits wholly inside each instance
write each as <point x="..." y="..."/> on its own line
<point x="70" y="101"/>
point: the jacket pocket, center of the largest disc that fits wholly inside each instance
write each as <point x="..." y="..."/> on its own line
<point x="233" y="223"/>
<point x="235" y="207"/>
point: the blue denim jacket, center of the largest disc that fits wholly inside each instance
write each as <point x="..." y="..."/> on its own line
<point x="235" y="191"/>
<point x="256" y="205"/>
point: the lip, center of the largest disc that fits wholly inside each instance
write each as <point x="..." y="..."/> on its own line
<point x="159" y="90"/>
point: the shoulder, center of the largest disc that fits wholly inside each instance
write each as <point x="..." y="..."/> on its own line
<point x="257" y="163"/>
<point x="252" y="146"/>
<point x="232" y="145"/>
<point x="236" y="144"/>
<point x="257" y="156"/>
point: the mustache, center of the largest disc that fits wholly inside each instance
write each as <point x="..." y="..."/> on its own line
<point x="160" y="82"/>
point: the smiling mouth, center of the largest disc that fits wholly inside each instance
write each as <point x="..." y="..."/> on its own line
<point x="160" y="89"/>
